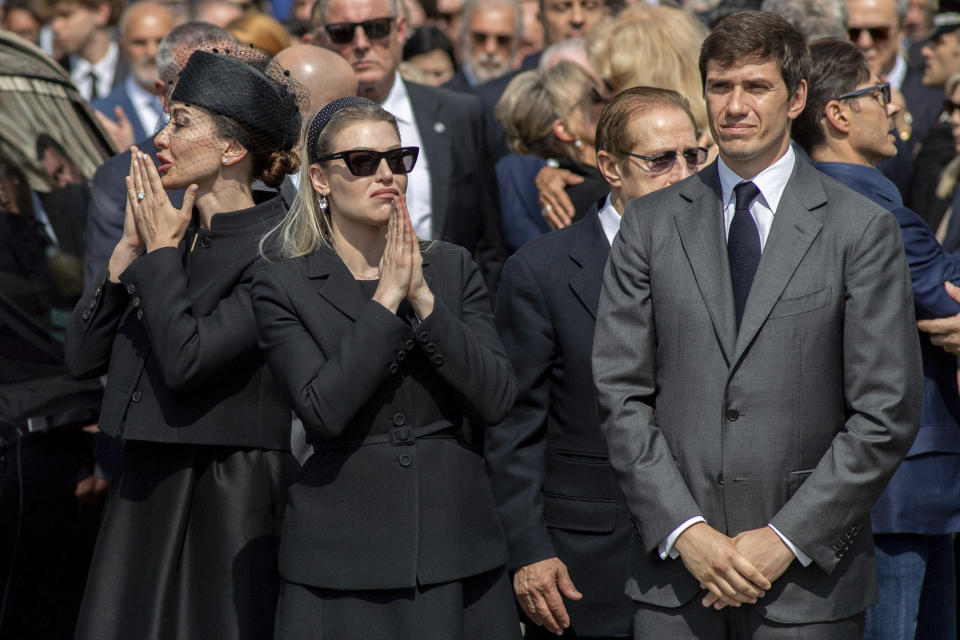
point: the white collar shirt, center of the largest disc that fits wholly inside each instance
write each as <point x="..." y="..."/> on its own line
<point x="609" y="220"/>
<point x="771" y="182"/>
<point x="146" y="105"/>
<point x="419" y="197"/>
<point x="104" y="69"/>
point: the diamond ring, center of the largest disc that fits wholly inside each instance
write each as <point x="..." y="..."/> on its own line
<point x="141" y="196"/>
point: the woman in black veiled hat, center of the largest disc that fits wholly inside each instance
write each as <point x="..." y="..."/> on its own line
<point x="386" y="348"/>
<point x="187" y="548"/>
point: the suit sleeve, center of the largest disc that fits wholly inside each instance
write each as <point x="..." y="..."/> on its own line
<point x="93" y="327"/>
<point x="930" y="266"/>
<point x="104" y="226"/>
<point x="491" y="250"/>
<point x="882" y="392"/>
<point x="624" y="370"/>
<point x="515" y="449"/>
<point x="189" y="348"/>
<point x="471" y="357"/>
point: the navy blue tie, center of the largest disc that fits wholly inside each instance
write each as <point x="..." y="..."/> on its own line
<point x="743" y="246"/>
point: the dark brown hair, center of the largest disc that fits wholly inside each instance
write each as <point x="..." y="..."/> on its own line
<point x="837" y="67"/>
<point x="630" y="104"/>
<point x="757" y="35"/>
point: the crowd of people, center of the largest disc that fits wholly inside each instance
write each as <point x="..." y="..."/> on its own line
<point x="484" y="320"/>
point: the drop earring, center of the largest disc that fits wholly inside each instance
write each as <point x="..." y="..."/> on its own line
<point x="225" y="161"/>
<point x="322" y="201"/>
<point x="577" y="143"/>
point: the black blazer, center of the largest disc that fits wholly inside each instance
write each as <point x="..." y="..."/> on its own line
<point x="368" y="513"/>
<point x="180" y="339"/>
<point x="463" y="185"/>
<point x="555" y="488"/>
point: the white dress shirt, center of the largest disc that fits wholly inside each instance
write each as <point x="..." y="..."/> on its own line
<point x="147" y="105"/>
<point x="105" y="68"/>
<point x="771" y="182"/>
<point x="419" y="196"/>
<point x="609" y="220"/>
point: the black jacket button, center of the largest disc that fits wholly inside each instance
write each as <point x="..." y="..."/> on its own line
<point x="437" y="359"/>
<point x="401" y="355"/>
<point x="205" y="242"/>
<point x="131" y="288"/>
<point x="431" y="348"/>
<point x="136" y="301"/>
<point x="139" y="314"/>
<point x="733" y="415"/>
<point x="393" y="367"/>
<point x="409" y="344"/>
<point x="135" y="396"/>
<point x="86" y="315"/>
<point x="399" y="419"/>
<point x="405" y="460"/>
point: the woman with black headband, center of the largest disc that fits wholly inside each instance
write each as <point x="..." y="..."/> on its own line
<point x="187" y="548"/>
<point x="385" y="347"/>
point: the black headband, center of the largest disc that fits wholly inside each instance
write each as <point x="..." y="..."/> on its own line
<point x="323" y="117"/>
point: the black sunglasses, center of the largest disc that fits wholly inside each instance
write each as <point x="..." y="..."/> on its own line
<point x="365" y="162"/>
<point x="343" y="32"/>
<point x="883" y="89"/>
<point x="950" y="107"/>
<point x="663" y="162"/>
<point x="877" y="34"/>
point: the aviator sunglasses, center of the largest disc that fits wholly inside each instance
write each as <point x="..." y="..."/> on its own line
<point x="343" y="32"/>
<point x="663" y="162"/>
<point x="364" y="162"/>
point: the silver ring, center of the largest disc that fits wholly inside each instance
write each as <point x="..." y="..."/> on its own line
<point x="141" y="196"/>
<point x="547" y="209"/>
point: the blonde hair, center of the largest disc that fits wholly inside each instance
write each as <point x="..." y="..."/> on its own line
<point x="535" y="99"/>
<point x="306" y="228"/>
<point x="950" y="173"/>
<point x="654" y="46"/>
<point x="261" y="31"/>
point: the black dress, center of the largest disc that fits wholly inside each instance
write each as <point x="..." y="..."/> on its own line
<point x="391" y="531"/>
<point x="187" y="548"/>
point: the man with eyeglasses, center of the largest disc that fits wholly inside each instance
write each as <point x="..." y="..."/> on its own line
<point x="757" y="368"/>
<point x="491" y="34"/>
<point x="451" y="192"/>
<point x="564" y="516"/>
<point x="846" y="129"/>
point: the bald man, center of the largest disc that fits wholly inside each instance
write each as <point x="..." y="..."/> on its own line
<point x="325" y="74"/>
<point x="130" y="112"/>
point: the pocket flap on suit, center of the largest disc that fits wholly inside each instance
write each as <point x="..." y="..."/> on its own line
<point x="801" y="304"/>
<point x="579" y="514"/>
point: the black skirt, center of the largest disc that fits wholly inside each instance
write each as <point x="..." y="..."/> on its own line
<point x="188" y="545"/>
<point x="476" y="608"/>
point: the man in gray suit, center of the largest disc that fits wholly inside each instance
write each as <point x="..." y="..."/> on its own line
<point x="758" y="369"/>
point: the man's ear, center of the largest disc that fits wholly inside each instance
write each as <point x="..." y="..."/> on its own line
<point x="103" y="14"/>
<point x="837" y="116"/>
<point x="797" y="101"/>
<point x="610" y="169"/>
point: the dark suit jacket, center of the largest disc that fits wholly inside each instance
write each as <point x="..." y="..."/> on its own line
<point x="799" y="419"/>
<point x="555" y="488"/>
<point x="180" y="339"/>
<point x="120" y="98"/>
<point x="921" y="497"/>
<point x="369" y="514"/>
<point x="462" y="181"/>
<point x="66" y="208"/>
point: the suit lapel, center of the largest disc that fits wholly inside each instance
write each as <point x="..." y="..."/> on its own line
<point x="701" y="233"/>
<point x="336" y="285"/>
<point x="794" y="230"/>
<point x="435" y="135"/>
<point x="589" y="250"/>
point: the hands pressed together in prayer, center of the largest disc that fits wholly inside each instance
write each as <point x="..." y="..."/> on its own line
<point x="401" y="266"/>
<point x="150" y="221"/>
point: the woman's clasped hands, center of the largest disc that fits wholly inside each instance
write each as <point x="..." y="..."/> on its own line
<point x="157" y="222"/>
<point x="401" y="266"/>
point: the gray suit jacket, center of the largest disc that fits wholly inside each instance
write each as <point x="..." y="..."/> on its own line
<point x="799" y="420"/>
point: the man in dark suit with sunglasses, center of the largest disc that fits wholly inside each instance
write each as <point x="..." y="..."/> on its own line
<point x="451" y="192"/>
<point x="564" y="516"/>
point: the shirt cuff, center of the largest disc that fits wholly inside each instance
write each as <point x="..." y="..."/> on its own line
<point x="804" y="559"/>
<point x="666" y="547"/>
